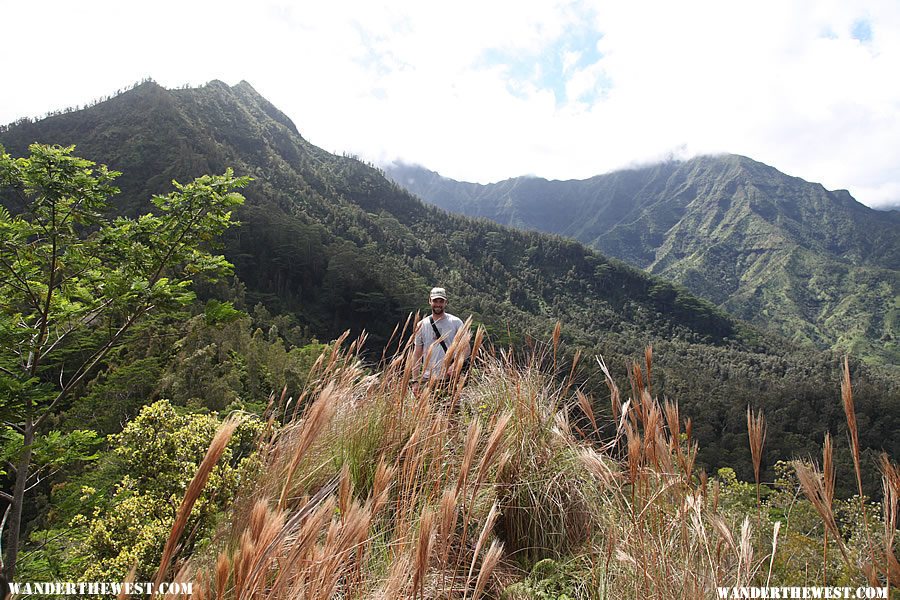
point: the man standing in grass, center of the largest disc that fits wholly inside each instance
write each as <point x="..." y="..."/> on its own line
<point x="434" y="337"/>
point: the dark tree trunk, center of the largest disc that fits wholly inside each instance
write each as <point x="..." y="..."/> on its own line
<point x="14" y="524"/>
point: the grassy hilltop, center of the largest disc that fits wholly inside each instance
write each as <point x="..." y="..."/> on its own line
<point x="504" y="487"/>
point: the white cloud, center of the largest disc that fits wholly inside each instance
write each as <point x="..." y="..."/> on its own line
<point x="483" y="91"/>
<point x="569" y="59"/>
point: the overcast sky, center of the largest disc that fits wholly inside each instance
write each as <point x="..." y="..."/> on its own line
<point x="485" y="90"/>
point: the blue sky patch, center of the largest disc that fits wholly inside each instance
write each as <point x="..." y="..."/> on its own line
<point x="862" y="30"/>
<point x="550" y="67"/>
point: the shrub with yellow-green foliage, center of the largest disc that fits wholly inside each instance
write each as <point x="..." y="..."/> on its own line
<point x="158" y="453"/>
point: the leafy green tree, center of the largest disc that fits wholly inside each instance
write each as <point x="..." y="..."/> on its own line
<point x="73" y="282"/>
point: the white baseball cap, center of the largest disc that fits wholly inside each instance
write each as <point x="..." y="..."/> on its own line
<point x="438" y="292"/>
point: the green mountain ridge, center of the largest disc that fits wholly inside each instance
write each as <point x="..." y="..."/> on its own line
<point x="155" y="135"/>
<point x="333" y="242"/>
<point x="813" y="265"/>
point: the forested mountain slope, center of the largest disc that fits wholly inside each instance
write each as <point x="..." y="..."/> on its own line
<point x="332" y="238"/>
<point x="333" y="241"/>
<point x="813" y="265"/>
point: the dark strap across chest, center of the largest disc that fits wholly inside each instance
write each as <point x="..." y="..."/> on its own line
<point x="437" y="334"/>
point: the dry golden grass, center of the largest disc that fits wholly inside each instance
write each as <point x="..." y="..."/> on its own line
<point x="361" y="496"/>
<point x="368" y="491"/>
<point x="756" y="430"/>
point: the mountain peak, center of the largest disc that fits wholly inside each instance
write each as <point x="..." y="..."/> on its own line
<point x="242" y="93"/>
<point x="244" y="85"/>
<point x="248" y="93"/>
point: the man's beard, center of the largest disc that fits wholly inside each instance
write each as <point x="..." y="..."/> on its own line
<point x="437" y="311"/>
